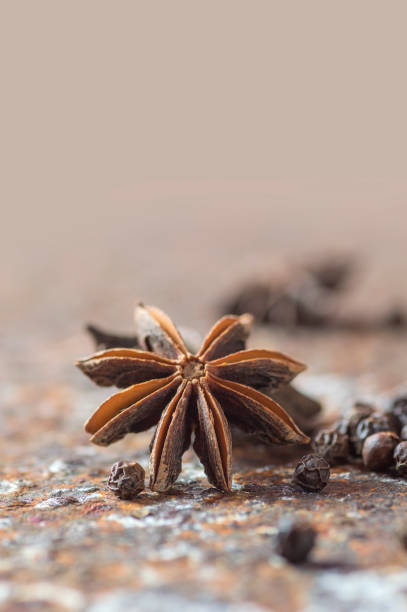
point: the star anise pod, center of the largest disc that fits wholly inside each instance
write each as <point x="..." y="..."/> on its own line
<point x="106" y="340"/>
<point x="185" y="394"/>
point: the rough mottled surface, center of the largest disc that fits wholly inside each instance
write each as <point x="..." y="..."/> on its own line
<point x="67" y="543"/>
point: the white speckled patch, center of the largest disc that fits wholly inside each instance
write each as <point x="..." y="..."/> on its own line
<point x="8" y="486"/>
<point x="359" y="592"/>
<point x="128" y="522"/>
<point x="45" y="592"/>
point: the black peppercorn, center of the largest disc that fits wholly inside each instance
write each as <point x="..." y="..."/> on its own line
<point x="399" y="409"/>
<point x="400" y="459"/>
<point x="126" y="480"/>
<point x="295" y="540"/>
<point x="332" y="445"/>
<point x="371" y="425"/>
<point x="332" y="273"/>
<point x="378" y="450"/>
<point x="360" y="411"/>
<point x="312" y="473"/>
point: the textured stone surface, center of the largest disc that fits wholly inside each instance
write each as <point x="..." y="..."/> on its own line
<point x="68" y="544"/>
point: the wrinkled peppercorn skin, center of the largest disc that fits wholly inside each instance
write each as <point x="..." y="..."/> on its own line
<point x="400" y="459"/>
<point x="126" y="480"/>
<point x="332" y="445"/>
<point x="312" y="473"/>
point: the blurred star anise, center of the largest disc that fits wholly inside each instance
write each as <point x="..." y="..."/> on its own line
<point x="185" y="394"/>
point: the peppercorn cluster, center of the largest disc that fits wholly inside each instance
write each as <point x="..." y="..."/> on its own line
<point x="378" y="438"/>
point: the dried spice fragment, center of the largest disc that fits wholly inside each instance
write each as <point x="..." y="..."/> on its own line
<point x="332" y="445"/>
<point x="378" y="450"/>
<point x="371" y="425"/>
<point x="349" y="424"/>
<point x="400" y="459"/>
<point x="105" y="340"/>
<point x="126" y="480"/>
<point x="295" y="540"/>
<point x="296" y="295"/>
<point x="303" y="409"/>
<point x="309" y="295"/>
<point x="184" y="394"/>
<point x="312" y="473"/>
<point x="398" y="409"/>
<point x="364" y="420"/>
<point x="333" y="272"/>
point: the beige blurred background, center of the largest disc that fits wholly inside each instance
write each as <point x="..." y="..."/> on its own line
<point x="167" y="150"/>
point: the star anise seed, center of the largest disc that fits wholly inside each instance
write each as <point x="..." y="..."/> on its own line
<point x="184" y="394"/>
